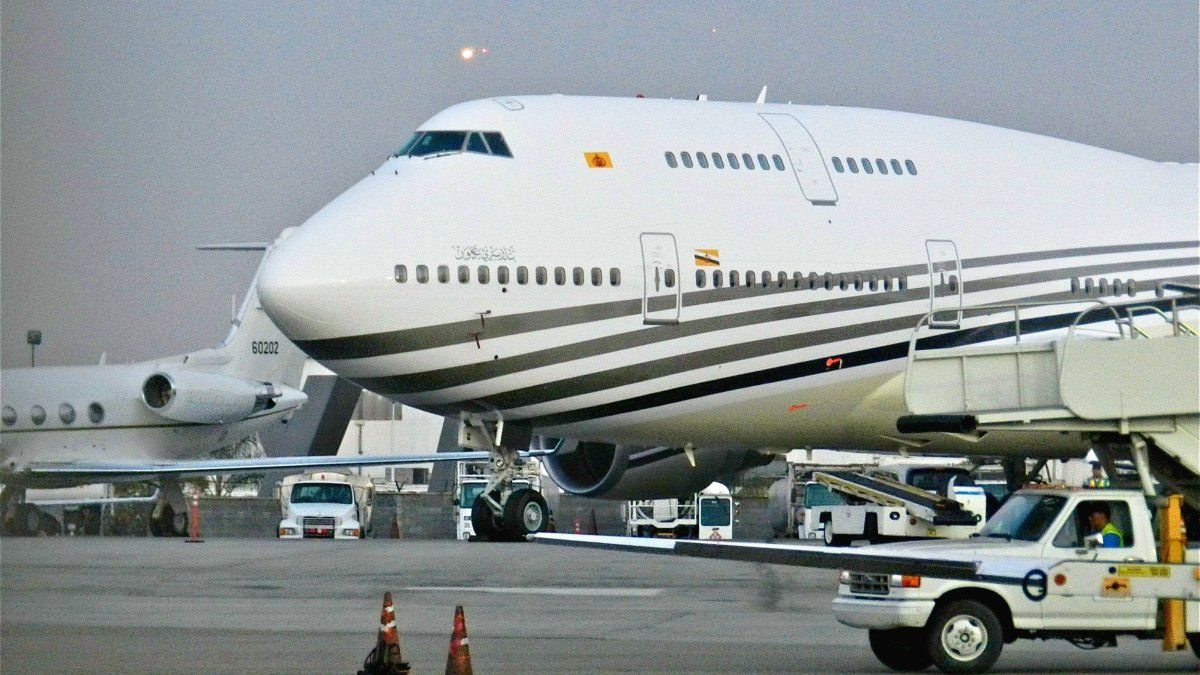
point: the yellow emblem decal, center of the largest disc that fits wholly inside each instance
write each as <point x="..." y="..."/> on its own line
<point x="708" y="257"/>
<point x="1144" y="571"/>
<point x="598" y="160"/>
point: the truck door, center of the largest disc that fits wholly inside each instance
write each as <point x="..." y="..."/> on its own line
<point x="945" y="283"/>
<point x="714" y="517"/>
<point x="662" y="292"/>
<point x="804" y="157"/>
<point x="1070" y="542"/>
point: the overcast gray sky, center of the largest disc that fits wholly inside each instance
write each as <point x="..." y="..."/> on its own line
<point x="132" y="131"/>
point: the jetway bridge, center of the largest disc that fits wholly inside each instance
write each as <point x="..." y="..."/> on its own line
<point x="1127" y="376"/>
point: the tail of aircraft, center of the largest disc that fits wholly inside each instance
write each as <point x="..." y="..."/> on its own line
<point x="254" y="349"/>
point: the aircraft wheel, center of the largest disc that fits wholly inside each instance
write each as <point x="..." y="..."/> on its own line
<point x="179" y="524"/>
<point x="901" y="649"/>
<point x="525" y="512"/>
<point x="482" y="520"/>
<point x="964" y="636"/>
<point x="48" y="525"/>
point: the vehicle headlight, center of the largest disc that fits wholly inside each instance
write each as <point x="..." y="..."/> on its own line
<point x="287" y="531"/>
<point x="844" y="577"/>
<point x="904" y="581"/>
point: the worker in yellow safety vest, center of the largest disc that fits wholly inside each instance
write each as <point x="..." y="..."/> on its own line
<point x="1098" y="519"/>
<point x="1097" y="480"/>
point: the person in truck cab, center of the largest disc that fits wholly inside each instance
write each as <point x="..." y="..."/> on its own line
<point x="1098" y="519"/>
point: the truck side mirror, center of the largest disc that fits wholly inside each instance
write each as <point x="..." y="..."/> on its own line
<point x="456" y="502"/>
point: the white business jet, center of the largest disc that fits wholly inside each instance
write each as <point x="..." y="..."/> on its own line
<point x="154" y="420"/>
<point x="675" y="287"/>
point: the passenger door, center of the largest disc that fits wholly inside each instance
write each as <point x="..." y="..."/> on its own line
<point x="662" y="294"/>
<point x="945" y="283"/>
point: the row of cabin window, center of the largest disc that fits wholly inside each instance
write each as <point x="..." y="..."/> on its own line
<point x="880" y="165"/>
<point x="66" y="413"/>
<point x="1104" y="287"/>
<point x="483" y="274"/>
<point x="798" y="280"/>
<point x="717" y="161"/>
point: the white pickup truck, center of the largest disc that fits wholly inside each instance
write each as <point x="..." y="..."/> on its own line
<point x="961" y="625"/>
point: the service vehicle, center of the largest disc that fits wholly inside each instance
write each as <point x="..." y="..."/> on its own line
<point x="708" y="514"/>
<point x="326" y="505"/>
<point x="892" y="503"/>
<point x="960" y="625"/>
<point x="470" y="480"/>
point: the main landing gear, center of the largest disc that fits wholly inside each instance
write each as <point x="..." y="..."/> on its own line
<point x="23" y="519"/>
<point x="503" y="511"/>
<point x="170" y="515"/>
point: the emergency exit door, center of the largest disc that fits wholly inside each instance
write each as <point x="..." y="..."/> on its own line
<point x="807" y="164"/>
<point x="662" y="292"/>
<point x="945" y="283"/>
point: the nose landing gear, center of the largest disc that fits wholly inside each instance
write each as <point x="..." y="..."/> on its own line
<point x="503" y="512"/>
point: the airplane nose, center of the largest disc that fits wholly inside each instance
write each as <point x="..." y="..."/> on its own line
<point x="295" y="287"/>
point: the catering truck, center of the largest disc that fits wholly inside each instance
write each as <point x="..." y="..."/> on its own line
<point x="708" y="514"/>
<point x="325" y="505"/>
<point x="1088" y="569"/>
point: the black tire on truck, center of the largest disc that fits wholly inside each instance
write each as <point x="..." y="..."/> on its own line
<point x="964" y="636"/>
<point x="1194" y="640"/>
<point x="525" y="512"/>
<point x="832" y="539"/>
<point x="901" y="649"/>
<point x="482" y="520"/>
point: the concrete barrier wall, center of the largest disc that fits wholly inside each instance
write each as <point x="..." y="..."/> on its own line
<point x="431" y="516"/>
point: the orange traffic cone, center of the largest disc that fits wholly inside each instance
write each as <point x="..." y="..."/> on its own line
<point x="385" y="658"/>
<point x="458" y="662"/>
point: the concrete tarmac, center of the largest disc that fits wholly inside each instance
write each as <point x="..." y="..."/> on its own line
<point x="138" y="605"/>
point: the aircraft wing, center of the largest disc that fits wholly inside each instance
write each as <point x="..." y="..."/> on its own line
<point x="858" y="559"/>
<point x="110" y="472"/>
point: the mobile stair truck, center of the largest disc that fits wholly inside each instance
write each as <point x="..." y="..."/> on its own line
<point x="325" y="505"/>
<point x="842" y="506"/>
<point x="707" y="515"/>
<point x="1133" y="393"/>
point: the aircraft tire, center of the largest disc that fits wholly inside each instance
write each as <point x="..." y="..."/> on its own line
<point x="901" y="649"/>
<point x="525" y="513"/>
<point x="48" y="525"/>
<point x="178" y="524"/>
<point x="483" y="522"/>
<point x="29" y="520"/>
<point x="964" y="636"/>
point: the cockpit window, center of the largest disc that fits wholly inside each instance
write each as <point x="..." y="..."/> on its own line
<point x="437" y="143"/>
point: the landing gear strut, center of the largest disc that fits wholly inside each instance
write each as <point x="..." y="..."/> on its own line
<point x="170" y="515"/>
<point x="503" y="512"/>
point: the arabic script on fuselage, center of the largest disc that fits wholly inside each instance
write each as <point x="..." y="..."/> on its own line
<point x="485" y="253"/>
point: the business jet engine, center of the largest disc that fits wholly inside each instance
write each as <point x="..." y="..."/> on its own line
<point x="206" y="398"/>
<point x="608" y="471"/>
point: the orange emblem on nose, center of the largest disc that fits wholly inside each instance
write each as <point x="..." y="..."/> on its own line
<point x="598" y="160"/>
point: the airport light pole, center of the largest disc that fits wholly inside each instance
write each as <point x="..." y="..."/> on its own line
<point x="34" y="338"/>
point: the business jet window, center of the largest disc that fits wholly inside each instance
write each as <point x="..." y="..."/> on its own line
<point x="38" y="414"/>
<point x="614" y="276"/>
<point x="852" y="164"/>
<point x="560" y="276"/>
<point x="66" y="413"/>
<point x="733" y="278"/>
<point x="502" y="275"/>
<point x="10" y="416"/>
<point x="443" y="273"/>
<point x="749" y="278"/>
<point x="866" y="166"/>
<point x="716" y="278"/>
<point x="422" y="274"/>
<point x="717" y="161"/>
<point x="733" y="163"/>
<point x="484" y="274"/>
<point x="401" y="274"/>
<point x="597" y="276"/>
<point x="702" y="160"/>
<point x="896" y="167"/>
<point x="748" y="161"/>
<point x="912" y="168"/>
<point x="577" y="276"/>
<point x="882" y="166"/>
<point x="687" y="159"/>
<point x="522" y="275"/>
<point x="95" y="413"/>
<point x="762" y="162"/>
<point x="540" y="273"/>
<point x="766" y="278"/>
<point x="777" y="161"/>
<point x="671" y="161"/>
<point x="701" y="277"/>
<point x="837" y="165"/>
<point x="464" y="274"/>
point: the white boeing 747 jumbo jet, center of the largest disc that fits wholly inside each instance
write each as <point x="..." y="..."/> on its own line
<point x="675" y="287"/>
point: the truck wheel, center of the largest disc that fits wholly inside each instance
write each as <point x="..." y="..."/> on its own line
<point x="964" y="636"/>
<point x="1194" y="640"/>
<point x="832" y="539"/>
<point x="482" y="520"/>
<point x="901" y="649"/>
<point x="525" y="512"/>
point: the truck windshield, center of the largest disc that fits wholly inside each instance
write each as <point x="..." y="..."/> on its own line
<point x="938" y="480"/>
<point x="1024" y="516"/>
<point x="468" y="493"/>
<point x="322" y="493"/>
<point x="714" y="512"/>
<point x="816" y="494"/>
